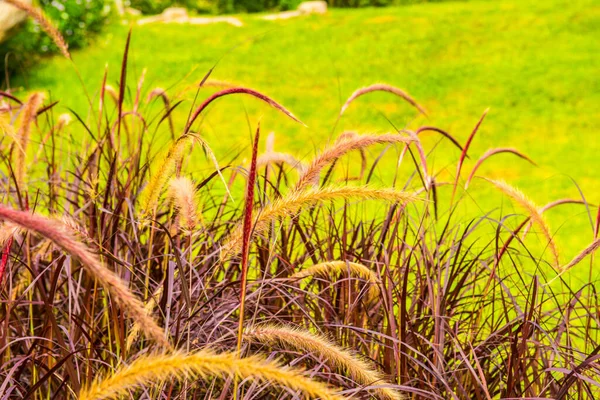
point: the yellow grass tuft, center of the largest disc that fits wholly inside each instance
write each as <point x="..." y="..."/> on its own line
<point x="293" y="202"/>
<point x="362" y="372"/>
<point x="534" y="213"/>
<point x="183" y="193"/>
<point x="37" y="14"/>
<point x="326" y="269"/>
<point x="341" y="147"/>
<point x="205" y="363"/>
<point x="57" y="233"/>
<point x="28" y="116"/>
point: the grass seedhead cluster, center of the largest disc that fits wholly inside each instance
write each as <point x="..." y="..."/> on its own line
<point x="134" y="267"/>
<point x="204" y="364"/>
<point x="355" y="368"/>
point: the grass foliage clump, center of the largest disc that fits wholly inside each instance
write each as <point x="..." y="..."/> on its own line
<point x="120" y="269"/>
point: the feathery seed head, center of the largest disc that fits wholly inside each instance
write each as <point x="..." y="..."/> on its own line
<point x="294" y="201"/>
<point x="361" y="371"/>
<point x="340" y="148"/>
<point x="28" y="117"/>
<point x="382" y="87"/>
<point x="534" y="213"/>
<point x="183" y="193"/>
<point x="204" y="363"/>
<point x="326" y="269"/>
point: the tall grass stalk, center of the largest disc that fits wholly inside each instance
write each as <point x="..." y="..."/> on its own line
<point x="50" y="229"/>
<point x="28" y="117"/>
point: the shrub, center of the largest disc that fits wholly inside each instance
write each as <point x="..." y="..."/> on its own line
<point x="360" y="3"/>
<point x="150" y="6"/>
<point x="76" y="20"/>
<point x="251" y="6"/>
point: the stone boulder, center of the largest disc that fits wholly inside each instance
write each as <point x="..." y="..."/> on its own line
<point x="313" y="7"/>
<point x="10" y="17"/>
<point x="180" y="16"/>
<point x="305" y="8"/>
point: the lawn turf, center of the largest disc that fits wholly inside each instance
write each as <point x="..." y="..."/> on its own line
<point x="535" y="64"/>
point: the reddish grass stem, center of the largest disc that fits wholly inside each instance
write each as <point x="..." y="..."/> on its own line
<point x="247" y="229"/>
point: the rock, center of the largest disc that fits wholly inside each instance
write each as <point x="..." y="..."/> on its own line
<point x="132" y="11"/>
<point x="175" y="14"/>
<point x="211" y="20"/>
<point x="180" y="16"/>
<point x="313" y="7"/>
<point x="305" y="8"/>
<point x="10" y="17"/>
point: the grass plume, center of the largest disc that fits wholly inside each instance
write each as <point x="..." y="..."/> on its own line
<point x="382" y="87"/>
<point x="204" y="363"/>
<point x="160" y="178"/>
<point x="292" y="203"/>
<point x="347" y="144"/>
<point x="326" y="269"/>
<point x="273" y="157"/>
<point x="246" y="237"/>
<point x="37" y="15"/>
<point x="238" y="90"/>
<point x="583" y="254"/>
<point x="28" y="117"/>
<point x="362" y="372"/>
<point x="53" y="231"/>
<point x="532" y="210"/>
<point x="185" y="198"/>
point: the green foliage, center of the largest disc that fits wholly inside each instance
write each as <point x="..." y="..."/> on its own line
<point x="150" y="6"/>
<point x="251" y="6"/>
<point x="264" y="5"/>
<point x="75" y="19"/>
<point x="360" y="3"/>
<point x="285" y="5"/>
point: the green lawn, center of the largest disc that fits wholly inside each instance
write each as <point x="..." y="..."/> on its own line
<point x="535" y="64"/>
